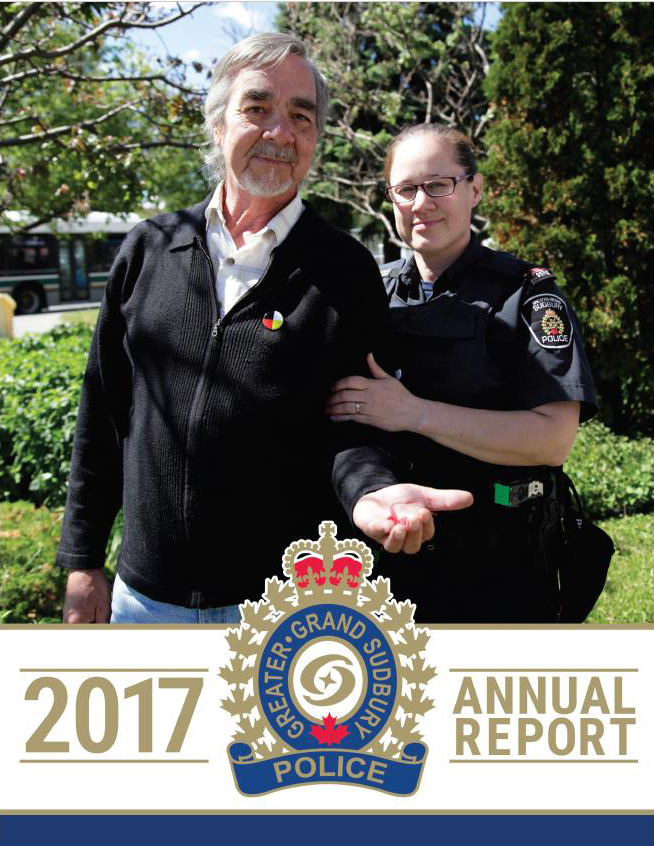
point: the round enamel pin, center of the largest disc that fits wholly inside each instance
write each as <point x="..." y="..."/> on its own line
<point x="273" y="320"/>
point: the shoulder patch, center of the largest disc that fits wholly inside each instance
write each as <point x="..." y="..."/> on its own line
<point x="548" y="320"/>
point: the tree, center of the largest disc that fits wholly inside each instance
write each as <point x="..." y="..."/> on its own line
<point x="570" y="176"/>
<point x="388" y="64"/>
<point x="83" y="118"/>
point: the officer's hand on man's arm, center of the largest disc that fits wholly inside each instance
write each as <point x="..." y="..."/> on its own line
<point x="87" y="597"/>
<point x="400" y="517"/>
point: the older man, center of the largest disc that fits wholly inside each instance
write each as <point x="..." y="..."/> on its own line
<point x="222" y="328"/>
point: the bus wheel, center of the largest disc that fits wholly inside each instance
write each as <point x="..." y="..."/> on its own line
<point x="29" y="299"/>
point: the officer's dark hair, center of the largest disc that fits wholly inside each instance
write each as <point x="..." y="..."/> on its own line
<point x="464" y="151"/>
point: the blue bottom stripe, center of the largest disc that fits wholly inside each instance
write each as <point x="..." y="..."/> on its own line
<point x="325" y="830"/>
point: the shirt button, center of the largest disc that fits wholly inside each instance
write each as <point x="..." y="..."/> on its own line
<point x="431" y="547"/>
<point x="409" y="465"/>
<point x="229" y="260"/>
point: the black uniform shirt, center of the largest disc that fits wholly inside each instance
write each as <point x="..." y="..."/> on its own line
<point x="497" y="333"/>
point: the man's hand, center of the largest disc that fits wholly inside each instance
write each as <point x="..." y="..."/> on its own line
<point x="400" y="517"/>
<point x="87" y="597"/>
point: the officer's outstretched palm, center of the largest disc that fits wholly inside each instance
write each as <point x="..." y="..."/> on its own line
<point x="401" y="517"/>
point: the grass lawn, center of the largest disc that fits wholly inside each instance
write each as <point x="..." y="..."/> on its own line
<point x="88" y="317"/>
<point x="31" y="587"/>
<point x="628" y="596"/>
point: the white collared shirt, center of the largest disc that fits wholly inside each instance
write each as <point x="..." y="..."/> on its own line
<point x="237" y="269"/>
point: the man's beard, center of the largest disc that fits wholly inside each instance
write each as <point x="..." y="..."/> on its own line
<point x="273" y="183"/>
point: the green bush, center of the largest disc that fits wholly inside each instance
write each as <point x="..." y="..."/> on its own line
<point x="569" y="177"/>
<point x="40" y="385"/>
<point x="40" y="382"/>
<point x="613" y="474"/>
<point x="32" y="587"/>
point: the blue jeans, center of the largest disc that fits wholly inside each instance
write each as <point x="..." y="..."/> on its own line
<point x="130" y="606"/>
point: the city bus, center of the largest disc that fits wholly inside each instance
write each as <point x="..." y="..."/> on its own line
<point x="61" y="261"/>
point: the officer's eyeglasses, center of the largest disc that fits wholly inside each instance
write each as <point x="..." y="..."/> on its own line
<point x="441" y="187"/>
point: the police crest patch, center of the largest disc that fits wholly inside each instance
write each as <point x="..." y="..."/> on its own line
<point x="327" y="680"/>
<point x="548" y="320"/>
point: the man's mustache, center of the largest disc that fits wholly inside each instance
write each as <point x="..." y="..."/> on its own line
<point x="271" y="151"/>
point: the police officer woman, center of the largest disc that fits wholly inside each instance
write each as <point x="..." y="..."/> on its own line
<point x="493" y="382"/>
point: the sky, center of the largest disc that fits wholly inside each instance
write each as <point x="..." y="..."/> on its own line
<point x="210" y="31"/>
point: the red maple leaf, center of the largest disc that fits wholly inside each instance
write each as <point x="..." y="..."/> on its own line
<point x="331" y="733"/>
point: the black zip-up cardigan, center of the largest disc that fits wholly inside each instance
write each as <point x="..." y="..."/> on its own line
<point x="212" y="433"/>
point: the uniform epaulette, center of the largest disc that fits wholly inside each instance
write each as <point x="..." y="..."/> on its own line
<point x="507" y="269"/>
<point x="539" y="274"/>
<point x="392" y="268"/>
<point x="390" y="273"/>
<point x="504" y="263"/>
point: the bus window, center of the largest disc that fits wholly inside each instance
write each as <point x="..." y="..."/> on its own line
<point x="28" y="269"/>
<point x="28" y="255"/>
<point x="81" y="279"/>
<point x="103" y="251"/>
<point x="41" y="269"/>
<point x="66" y="273"/>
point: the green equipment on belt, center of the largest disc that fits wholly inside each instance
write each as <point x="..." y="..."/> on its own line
<point x="570" y="548"/>
<point x="514" y="495"/>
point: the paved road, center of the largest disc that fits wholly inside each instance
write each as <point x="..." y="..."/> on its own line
<point x="28" y="323"/>
<point x="24" y="323"/>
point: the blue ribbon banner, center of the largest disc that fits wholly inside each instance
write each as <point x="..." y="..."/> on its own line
<point x="399" y="776"/>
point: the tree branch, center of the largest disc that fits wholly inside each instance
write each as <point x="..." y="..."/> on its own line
<point x="11" y="121"/>
<point x="356" y="183"/>
<point x="430" y="101"/>
<point x="146" y="145"/>
<point x="112" y="23"/>
<point x="158" y="24"/>
<point x="484" y="58"/>
<point x="18" y="23"/>
<point x="363" y="208"/>
<point x="54" y="71"/>
<point x="34" y="137"/>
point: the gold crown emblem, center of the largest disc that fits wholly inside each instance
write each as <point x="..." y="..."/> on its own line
<point x="552" y="323"/>
<point x="327" y="568"/>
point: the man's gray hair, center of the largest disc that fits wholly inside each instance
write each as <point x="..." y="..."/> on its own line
<point x="254" y="53"/>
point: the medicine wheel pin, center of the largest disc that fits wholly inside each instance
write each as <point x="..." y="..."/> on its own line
<point x="273" y="320"/>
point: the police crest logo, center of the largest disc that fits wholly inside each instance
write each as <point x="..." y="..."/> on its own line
<point x="327" y="681"/>
<point x="551" y="323"/>
<point x="548" y="320"/>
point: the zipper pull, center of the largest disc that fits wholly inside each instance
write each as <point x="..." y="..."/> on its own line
<point x="214" y="331"/>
